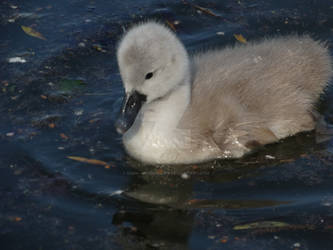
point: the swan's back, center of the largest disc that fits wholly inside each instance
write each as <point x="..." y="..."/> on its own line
<point x="271" y="84"/>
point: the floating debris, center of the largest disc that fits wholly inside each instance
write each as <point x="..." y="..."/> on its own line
<point x="10" y="134"/>
<point x="44" y="121"/>
<point x="262" y="224"/>
<point x="52" y="125"/>
<point x="78" y="112"/>
<point x="18" y="219"/>
<point x="171" y="25"/>
<point x="99" y="48"/>
<point x="90" y="161"/>
<point x="240" y="38"/>
<point x="16" y="60"/>
<point x="63" y="136"/>
<point x="185" y="176"/>
<point x="118" y="192"/>
<point x="205" y="10"/>
<point x="270" y="157"/>
<point x="224" y="239"/>
<point x="31" y="32"/>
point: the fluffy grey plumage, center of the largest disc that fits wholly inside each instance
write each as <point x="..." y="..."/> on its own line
<point x="221" y="103"/>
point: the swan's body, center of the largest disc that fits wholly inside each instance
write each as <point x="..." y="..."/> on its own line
<point x="218" y="104"/>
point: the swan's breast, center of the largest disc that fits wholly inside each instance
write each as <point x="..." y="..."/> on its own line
<point x="154" y="146"/>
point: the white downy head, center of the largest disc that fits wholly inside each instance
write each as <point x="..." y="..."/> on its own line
<point x="152" y="61"/>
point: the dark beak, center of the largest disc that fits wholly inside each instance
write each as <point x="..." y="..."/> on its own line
<point x="131" y="107"/>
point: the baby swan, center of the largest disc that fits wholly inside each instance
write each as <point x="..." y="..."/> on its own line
<point x="217" y="104"/>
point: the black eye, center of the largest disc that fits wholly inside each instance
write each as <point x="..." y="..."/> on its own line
<point x="149" y="75"/>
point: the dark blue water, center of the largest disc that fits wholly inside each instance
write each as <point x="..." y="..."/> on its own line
<point x="64" y="99"/>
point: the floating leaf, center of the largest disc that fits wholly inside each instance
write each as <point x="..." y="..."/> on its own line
<point x="240" y="38"/>
<point x="31" y="32"/>
<point x="90" y="161"/>
<point x="262" y="224"/>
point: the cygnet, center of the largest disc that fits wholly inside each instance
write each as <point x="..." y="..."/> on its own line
<point x="222" y="103"/>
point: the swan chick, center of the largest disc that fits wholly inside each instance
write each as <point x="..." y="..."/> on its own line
<point x="222" y="103"/>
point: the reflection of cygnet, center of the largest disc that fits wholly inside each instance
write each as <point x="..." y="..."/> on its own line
<point x="218" y="104"/>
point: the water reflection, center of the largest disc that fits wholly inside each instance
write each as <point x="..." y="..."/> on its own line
<point x="183" y="186"/>
<point x="161" y="226"/>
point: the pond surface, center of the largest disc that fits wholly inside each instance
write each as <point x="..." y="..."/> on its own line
<point x="62" y="100"/>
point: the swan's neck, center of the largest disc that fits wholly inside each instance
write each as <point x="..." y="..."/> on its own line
<point x="165" y="113"/>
